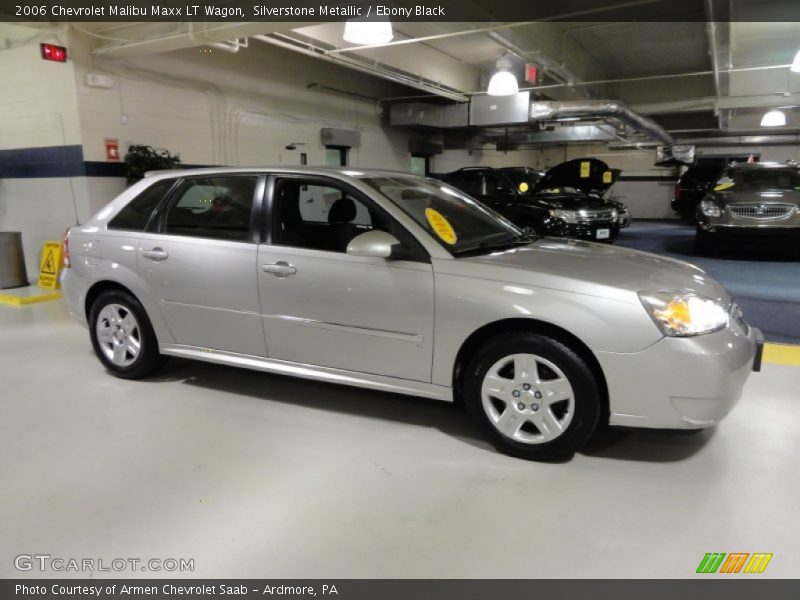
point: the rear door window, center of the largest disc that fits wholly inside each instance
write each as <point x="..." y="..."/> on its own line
<point x="213" y="207"/>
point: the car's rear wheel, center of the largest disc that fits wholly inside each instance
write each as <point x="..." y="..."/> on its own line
<point x="536" y="397"/>
<point x="703" y="243"/>
<point x="122" y="335"/>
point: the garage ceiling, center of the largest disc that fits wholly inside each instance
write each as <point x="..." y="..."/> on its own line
<point x="664" y="69"/>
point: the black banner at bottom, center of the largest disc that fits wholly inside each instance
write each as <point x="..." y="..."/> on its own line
<point x="390" y="589"/>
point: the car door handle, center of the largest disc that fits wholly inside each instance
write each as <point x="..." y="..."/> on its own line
<point x="156" y="254"/>
<point x="279" y="269"/>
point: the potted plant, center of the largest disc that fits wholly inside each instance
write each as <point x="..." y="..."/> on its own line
<point x="141" y="158"/>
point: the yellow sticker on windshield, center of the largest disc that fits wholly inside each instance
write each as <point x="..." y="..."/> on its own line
<point x="724" y="186"/>
<point x="608" y="177"/>
<point x="586" y="168"/>
<point x="523" y="187"/>
<point x="441" y="226"/>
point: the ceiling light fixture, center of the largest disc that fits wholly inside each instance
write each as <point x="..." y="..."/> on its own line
<point x="503" y="82"/>
<point x="795" y="68"/>
<point x="774" y="118"/>
<point x="365" y="33"/>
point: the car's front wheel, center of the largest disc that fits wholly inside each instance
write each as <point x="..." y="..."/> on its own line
<point x="536" y="397"/>
<point x="122" y="336"/>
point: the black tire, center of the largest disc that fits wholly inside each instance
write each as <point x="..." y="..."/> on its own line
<point x="148" y="359"/>
<point x="703" y="244"/>
<point x="586" y="396"/>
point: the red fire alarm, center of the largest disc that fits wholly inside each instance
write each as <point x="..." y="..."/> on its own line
<point x="531" y="71"/>
<point x="53" y="52"/>
<point x="112" y="148"/>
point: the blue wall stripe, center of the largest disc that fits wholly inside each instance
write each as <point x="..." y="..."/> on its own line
<point x="58" y="161"/>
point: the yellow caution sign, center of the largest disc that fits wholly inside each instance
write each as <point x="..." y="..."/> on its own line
<point x="608" y="177"/>
<point x="441" y="226"/>
<point x="50" y="265"/>
<point x="586" y="169"/>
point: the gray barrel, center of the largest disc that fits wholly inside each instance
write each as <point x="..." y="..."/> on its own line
<point x="12" y="260"/>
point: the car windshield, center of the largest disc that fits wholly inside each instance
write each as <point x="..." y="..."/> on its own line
<point x="755" y="180"/>
<point x="455" y="220"/>
<point x="524" y="182"/>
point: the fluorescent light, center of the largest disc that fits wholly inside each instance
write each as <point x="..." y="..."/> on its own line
<point x="365" y="33"/>
<point x="774" y="118"/>
<point x="795" y="68"/>
<point x="503" y="82"/>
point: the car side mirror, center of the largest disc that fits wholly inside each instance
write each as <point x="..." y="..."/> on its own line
<point x="375" y="243"/>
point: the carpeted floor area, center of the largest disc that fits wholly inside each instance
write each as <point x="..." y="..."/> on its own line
<point x="764" y="280"/>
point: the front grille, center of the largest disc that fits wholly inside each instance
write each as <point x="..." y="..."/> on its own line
<point x="587" y="217"/>
<point x="761" y="212"/>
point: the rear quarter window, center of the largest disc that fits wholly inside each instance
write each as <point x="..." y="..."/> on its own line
<point x="135" y="215"/>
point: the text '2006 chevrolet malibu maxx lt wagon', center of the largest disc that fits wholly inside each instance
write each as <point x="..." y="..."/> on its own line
<point x="400" y="283"/>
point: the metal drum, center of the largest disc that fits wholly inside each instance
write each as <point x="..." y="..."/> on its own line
<point x="12" y="260"/>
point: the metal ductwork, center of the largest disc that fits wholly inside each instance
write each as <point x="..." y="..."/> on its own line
<point x="587" y="110"/>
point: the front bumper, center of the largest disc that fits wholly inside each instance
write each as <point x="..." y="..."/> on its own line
<point x="593" y="231"/>
<point x="730" y="232"/>
<point x="682" y="383"/>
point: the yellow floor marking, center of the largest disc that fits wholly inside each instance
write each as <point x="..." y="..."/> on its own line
<point x="12" y="300"/>
<point x="782" y="354"/>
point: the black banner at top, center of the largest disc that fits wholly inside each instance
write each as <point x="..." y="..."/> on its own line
<point x="485" y="11"/>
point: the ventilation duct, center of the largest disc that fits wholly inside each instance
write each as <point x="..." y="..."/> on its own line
<point x="587" y="110"/>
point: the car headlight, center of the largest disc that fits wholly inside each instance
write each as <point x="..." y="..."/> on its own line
<point x="710" y="209"/>
<point x="614" y="214"/>
<point x="568" y="216"/>
<point x="683" y="314"/>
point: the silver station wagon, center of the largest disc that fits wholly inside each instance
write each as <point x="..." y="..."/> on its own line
<point x="399" y="283"/>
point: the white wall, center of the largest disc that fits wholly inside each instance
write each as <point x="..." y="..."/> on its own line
<point x="38" y="108"/>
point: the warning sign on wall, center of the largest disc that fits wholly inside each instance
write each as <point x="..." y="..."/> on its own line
<point x="50" y="265"/>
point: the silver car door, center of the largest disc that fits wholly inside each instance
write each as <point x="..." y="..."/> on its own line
<point x="321" y="306"/>
<point x="200" y="265"/>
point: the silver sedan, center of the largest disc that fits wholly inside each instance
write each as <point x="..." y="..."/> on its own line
<point x="394" y="282"/>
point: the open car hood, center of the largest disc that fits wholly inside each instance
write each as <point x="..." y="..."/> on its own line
<point x="589" y="175"/>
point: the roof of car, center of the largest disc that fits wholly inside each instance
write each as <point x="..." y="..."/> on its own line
<point x="789" y="164"/>
<point x="357" y="172"/>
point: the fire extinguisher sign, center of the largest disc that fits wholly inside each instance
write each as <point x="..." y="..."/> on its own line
<point x="112" y="148"/>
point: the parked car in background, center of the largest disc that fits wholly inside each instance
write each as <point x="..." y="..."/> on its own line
<point x="400" y="283"/>
<point x="567" y="201"/>
<point x="748" y="201"/>
<point x="692" y="187"/>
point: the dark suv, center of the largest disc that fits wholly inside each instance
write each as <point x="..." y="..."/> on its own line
<point x="692" y="187"/>
<point x="749" y="200"/>
<point x="566" y="201"/>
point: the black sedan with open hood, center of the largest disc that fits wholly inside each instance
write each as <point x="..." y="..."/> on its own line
<point x="567" y="201"/>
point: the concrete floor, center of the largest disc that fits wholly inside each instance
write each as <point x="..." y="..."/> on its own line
<point x="253" y="475"/>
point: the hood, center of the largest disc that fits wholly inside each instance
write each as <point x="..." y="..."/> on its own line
<point x="731" y="196"/>
<point x="589" y="175"/>
<point x="594" y="269"/>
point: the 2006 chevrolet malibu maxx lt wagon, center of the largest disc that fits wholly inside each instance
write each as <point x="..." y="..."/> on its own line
<point x="395" y="282"/>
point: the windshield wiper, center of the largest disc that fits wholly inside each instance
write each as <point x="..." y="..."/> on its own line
<point x="482" y="247"/>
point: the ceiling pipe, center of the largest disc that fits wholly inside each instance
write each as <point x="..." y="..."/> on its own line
<point x="599" y="109"/>
<point x="711" y="30"/>
<point x="452" y="34"/>
<point x="372" y="68"/>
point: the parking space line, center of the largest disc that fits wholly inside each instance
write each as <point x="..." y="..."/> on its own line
<point x="782" y="354"/>
<point x="12" y="300"/>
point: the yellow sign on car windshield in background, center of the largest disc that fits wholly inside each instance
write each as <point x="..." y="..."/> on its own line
<point x="50" y="265"/>
<point x="523" y="187"/>
<point x="441" y="226"/>
<point x="586" y="169"/>
<point x="608" y="177"/>
<point x="724" y="186"/>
